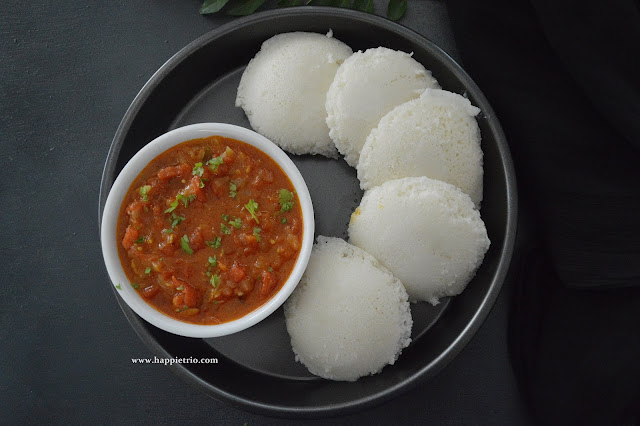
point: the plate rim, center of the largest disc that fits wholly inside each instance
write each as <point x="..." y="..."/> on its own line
<point x="484" y="307"/>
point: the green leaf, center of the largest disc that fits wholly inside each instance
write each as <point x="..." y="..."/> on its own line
<point x="215" y="243"/>
<point x="184" y="243"/>
<point x="252" y="207"/>
<point x="147" y="271"/>
<point x="212" y="6"/>
<point x="246" y="7"/>
<point x="118" y="286"/>
<point x="233" y="189"/>
<point x="256" y="233"/>
<point x="176" y="220"/>
<point x="285" y="198"/>
<point x="236" y="223"/>
<point x="289" y="3"/>
<point x="144" y="190"/>
<point x="134" y="285"/>
<point x="173" y="206"/>
<point x="215" y="280"/>
<point x="214" y="163"/>
<point x="225" y="229"/>
<point x="363" y="5"/>
<point x="396" y="9"/>
<point x="213" y="261"/>
<point x="198" y="170"/>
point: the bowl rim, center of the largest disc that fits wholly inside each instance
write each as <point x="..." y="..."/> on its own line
<point x="122" y="185"/>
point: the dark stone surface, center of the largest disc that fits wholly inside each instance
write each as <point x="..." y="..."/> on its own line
<point x="69" y="71"/>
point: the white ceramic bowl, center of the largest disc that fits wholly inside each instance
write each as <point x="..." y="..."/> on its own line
<point x="120" y="188"/>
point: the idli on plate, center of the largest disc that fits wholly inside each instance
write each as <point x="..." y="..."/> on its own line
<point x="435" y="135"/>
<point x="428" y="233"/>
<point x="349" y="316"/>
<point x="367" y="86"/>
<point x="283" y="90"/>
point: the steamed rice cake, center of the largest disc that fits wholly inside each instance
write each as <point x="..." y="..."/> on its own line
<point x="349" y="316"/>
<point x="428" y="233"/>
<point x="435" y="135"/>
<point x="367" y="86"/>
<point x="283" y="90"/>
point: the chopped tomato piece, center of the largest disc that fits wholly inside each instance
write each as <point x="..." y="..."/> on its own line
<point x="237" y="273"/>
<point x="130" y="237"/>
<point x="268" y="280"/>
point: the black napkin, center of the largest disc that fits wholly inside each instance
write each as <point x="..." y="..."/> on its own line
<point x="564" y="80"/>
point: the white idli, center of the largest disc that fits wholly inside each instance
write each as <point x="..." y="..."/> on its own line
<point x="349" y="316"/>
<point x="435" y="135"/>
<point x="284" y="87"/>
<point x="367" y="86"/>
<point x="426" y="232"/>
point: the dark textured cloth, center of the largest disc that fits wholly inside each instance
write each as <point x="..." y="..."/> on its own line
<point x="564" y="80"/>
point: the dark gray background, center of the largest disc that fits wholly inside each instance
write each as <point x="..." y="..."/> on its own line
<point x="69" y="71"/>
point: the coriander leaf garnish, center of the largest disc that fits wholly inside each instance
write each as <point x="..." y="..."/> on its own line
<point x="147" y="271"/>
<point x="173" y="205"/>
<point x="144" y="191"/>
<point x="213" y="261"/>
<point x="215" y="280"/>
<point x="176" y="220"/>
<point x="236" y="223"/>
<point x="215" y="243"/>
<point x="285" y="198"/>
<point x="198" y="170"/>
<point x="256" y="233"/>
<point x="180" y="288"/>
<point x="118" y="286"/>
<point x="134" y="285"/>
<point x="214" y="163"/>
<point x="233" y="189"/>
<point x="284" y="220"/>
<point x="184" y="243"/>
<point x="252" y="207"/>
<point x="225" y="229"/>
<point x="141" y="240"/>
<point x="225" y="217"/>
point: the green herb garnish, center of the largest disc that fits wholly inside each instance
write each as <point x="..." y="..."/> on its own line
<point x="233" y="189"/>
<point x="118" y="286"/>
<point x="180" y="288"/>
<point x="284" y="220"/>
<point x="172" y="206"/>
<point x="252" y="207"/>
<point x="225" y="217"/>
<point x="270" y="269"/>
<point x="198" y="170"/>
<point x="256" y="233"/>
<point x="285" y="198"/>
<point x="134" y="285"/>
<point x="215" y="280"/>
<point x="213" y="261"/>
<point x="225" y="229"/>
<point x="215" y="243"/>
<point x="141" y="240"/>
<point x="176" y="220"/>
<point x="184" y="243"/>
<point x="214" y="163"/>
<point x="144" y="191"/>
<point x="147" y="271"/>
<point x="236" y="223"/>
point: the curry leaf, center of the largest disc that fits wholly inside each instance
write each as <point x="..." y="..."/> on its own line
<point x="246" y="7"/>
<point x="396" y="9"/>
<point x="212" y="6"/>
<point x="363" y="5"/>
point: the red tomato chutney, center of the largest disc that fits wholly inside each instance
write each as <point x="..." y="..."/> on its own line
<point x="209" y="230"/>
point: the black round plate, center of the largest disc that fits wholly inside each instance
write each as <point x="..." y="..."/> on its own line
<point x="256" y="368"/>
